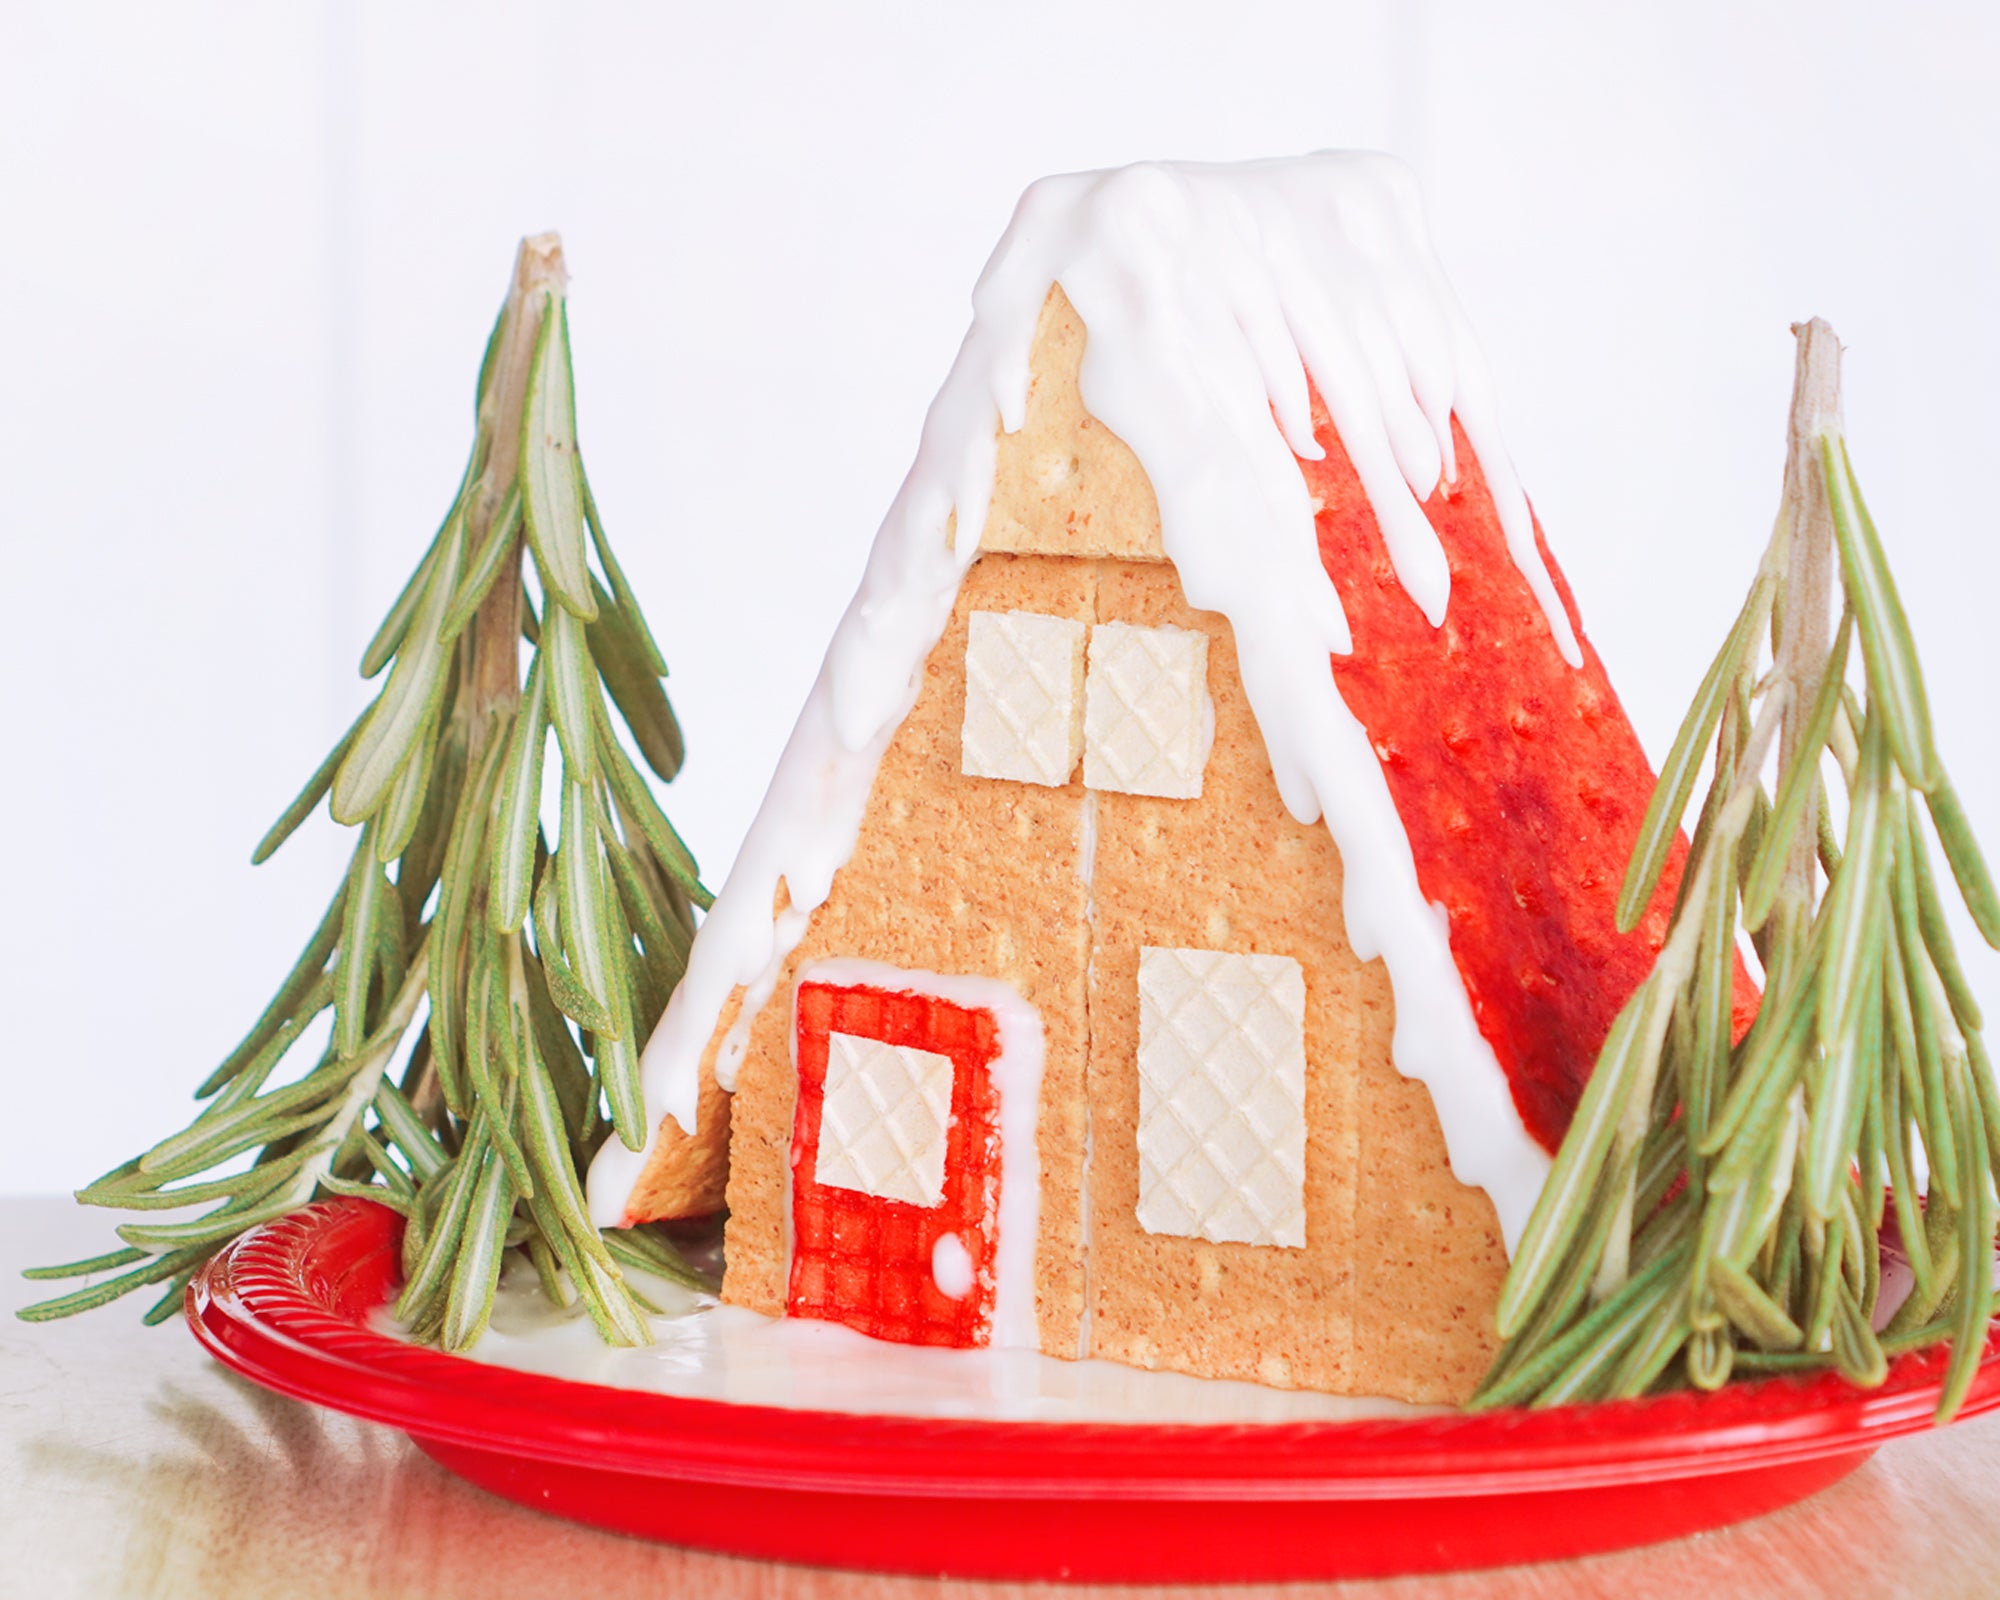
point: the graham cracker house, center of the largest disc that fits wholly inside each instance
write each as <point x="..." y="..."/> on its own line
<point x="1181" y="924"/>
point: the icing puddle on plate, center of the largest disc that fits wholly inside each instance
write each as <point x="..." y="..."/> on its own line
<point x="704" y="1350"/>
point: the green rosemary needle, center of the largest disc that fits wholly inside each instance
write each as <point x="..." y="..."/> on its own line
<point x="1867" y="1042"/>
<point x="538" y="971"/>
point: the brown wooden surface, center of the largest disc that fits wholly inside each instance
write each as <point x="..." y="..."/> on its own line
<point x="130" y="1464"/>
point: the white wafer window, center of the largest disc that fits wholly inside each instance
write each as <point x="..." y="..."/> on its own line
<point x="883" y="1120"/>
<point x="1023" y="697"/>
<point x="1222" y="1096"/>
<point x="1147" y="718"/>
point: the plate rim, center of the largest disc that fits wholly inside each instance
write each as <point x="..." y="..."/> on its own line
<point x="266" y="1307"/>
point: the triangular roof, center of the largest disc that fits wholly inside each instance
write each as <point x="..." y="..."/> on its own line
<point x="1221" y="303"/>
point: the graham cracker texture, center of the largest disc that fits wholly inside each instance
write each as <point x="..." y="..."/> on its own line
<point x="1054" y="890"/>
<point x="1064" y="483"/>
<point x="1393" y="1293"/>
<point x="955" y="875"/>
<point x="686" y="1174"/>
<point x="1428" y="1251"/>
<point x="1231" y="871"/>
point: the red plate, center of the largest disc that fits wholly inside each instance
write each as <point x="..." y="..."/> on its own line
<point x="287" y="1306"/>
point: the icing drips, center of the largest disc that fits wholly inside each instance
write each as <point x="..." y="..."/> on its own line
<point x="705" y="1351"/>
<point x="1216" y="300"/>
<point x="951" y="1267"/>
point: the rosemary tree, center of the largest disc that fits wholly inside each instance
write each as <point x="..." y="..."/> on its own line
<point x="1715" y="1206"/>
<point x="539" y="972"/>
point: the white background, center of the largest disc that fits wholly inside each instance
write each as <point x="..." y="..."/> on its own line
<point x="249" y="254"/>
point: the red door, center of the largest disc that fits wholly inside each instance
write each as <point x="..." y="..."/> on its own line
<point x="915" y="1263"/>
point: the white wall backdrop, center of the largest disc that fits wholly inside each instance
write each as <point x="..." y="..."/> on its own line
<point x="248" y="256"/>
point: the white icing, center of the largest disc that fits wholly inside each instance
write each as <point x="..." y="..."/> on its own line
<point x="951" y="1267"/>
<point x="1017" y="1081"/>
<point x="705" y="1351"/>
<point x="1213" y="296"/>
<point x="1086" y="1216"/>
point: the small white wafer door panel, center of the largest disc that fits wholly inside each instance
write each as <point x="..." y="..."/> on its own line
<point x="883" y="1120"/>
<point x="1222" y="1080"/>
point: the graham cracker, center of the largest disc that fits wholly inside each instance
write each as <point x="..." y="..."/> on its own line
<point x="1065" y="484"/>
<point x="1429" y="1259"/>
<point x="686" y="1174"/>
<point x="1232" y="871"/>
<point x="949" y="874"/>
<point x="1394" y="1290"/>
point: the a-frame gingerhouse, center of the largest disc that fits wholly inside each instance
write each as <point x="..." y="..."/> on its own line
<point x="1182" y="919"/>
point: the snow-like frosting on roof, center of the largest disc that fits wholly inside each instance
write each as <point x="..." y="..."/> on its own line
<point x="1215" y="299"/>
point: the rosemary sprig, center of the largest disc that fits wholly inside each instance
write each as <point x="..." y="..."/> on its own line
<point x="541" y="970"/>
<point x="1776" y="1149"/>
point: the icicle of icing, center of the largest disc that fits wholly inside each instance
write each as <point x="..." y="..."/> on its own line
<point x="1215" y="298"/>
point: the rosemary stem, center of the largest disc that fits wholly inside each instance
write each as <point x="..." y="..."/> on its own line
<point x="540" y="278"/>
<point x="1804" y="645"/>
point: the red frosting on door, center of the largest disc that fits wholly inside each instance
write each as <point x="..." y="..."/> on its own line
<point x="866" y="1261"/>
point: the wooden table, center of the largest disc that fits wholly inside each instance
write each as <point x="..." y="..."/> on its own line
<point x="131" y="1464"/>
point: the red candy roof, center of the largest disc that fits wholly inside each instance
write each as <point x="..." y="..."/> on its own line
<point x="1519" y="779"/>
